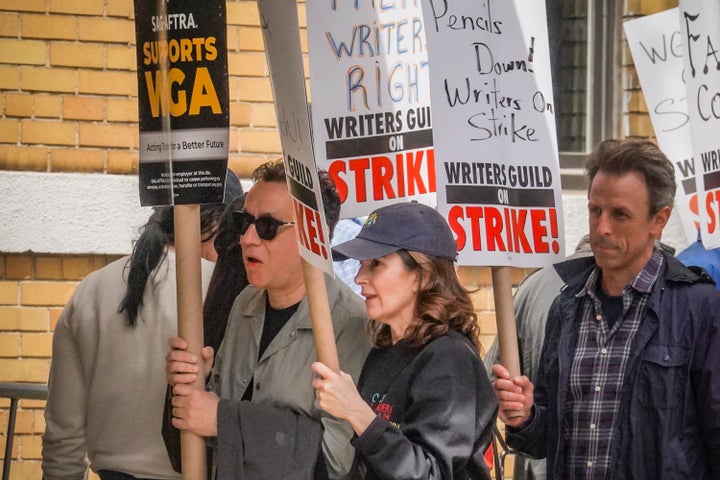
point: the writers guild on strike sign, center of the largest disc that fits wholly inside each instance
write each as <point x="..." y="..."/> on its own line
<point x="505" y="229"/>
<point x="383" y="177"/>
<point x="310" y="229"/>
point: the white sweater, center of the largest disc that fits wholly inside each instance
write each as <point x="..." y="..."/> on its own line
<point x="107" y="379"/>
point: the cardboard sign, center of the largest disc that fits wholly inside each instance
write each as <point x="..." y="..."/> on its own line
<point x="655" y="42"/>
<point x="371" y="102"/>
<point x="183" y="100"/>
<point x="700" y="27"/>
<point x="282" y="45"/>
<point x="498" y="179"/>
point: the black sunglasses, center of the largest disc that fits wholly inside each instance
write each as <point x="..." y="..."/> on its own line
<point x="265" y="226"/>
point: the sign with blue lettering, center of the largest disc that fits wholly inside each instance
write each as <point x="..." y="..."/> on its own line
<point x="371" y="117"/>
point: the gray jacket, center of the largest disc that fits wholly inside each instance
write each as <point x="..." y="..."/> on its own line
<point x="282" y="376"/>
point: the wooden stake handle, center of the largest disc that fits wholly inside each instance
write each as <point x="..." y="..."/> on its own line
<point x="506" y="329"/>
<point x="190" y="321"/>
<point x="316" y="291"/>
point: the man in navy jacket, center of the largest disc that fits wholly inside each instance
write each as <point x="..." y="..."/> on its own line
<point x="629" y="378"/>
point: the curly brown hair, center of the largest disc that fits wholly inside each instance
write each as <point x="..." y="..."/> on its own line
<point x="442" y="304"/>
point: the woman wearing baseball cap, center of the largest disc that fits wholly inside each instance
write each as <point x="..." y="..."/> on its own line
<point x="424" y="407"/>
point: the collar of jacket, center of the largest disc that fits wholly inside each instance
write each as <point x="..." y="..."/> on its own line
<point x="575" y="272"/>
<point x="256" y="308"/>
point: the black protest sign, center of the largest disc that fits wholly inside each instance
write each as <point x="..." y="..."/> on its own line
<point x="183" y="100"/>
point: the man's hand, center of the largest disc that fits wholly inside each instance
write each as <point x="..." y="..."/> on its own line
<point x="182" y="366"/>
<point x="195" y="410"/>
<point x="515" y="396"/>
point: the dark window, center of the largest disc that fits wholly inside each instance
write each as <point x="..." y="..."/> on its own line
<point x="586" y="66"/>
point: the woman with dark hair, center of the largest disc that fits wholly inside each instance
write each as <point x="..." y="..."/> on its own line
<point x="107" y="376"/>
<point x="424" y="407"/>
<point x="228" y="278"/>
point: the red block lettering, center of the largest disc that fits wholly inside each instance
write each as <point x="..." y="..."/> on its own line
<point x="336" y="168"/>
<point x="358" y="166"/>
<point x="537" y="219"/>
<point x="382" y="175"/>
<point x="408" y="174"/>
<point x="518" y="228"/>
<point x="493" y="229"/>
<point x="310" y="229"/>
<point x="454" y="216"/>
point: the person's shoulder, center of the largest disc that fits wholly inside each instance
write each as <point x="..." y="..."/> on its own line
<point x="248" y="298"/>
<point x="451" y="347"/>
<point x="346" y="301"/>
<point x="678" y="274"/>
<point x="103" y="278"/>
<point x="575" y="269"/>
<point x="97" y="296"/>
<point x="207" y="267"/>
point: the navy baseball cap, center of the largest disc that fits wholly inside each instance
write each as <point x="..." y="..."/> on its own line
<point x="400" y="226"/>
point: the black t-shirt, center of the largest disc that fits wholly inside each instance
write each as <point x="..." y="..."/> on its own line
<point x="274" y="321"/>
<point x="612" y="307"/>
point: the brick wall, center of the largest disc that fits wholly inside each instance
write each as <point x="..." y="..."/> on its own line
<point x="67" y="78"/>
<point x="33" y="291"/>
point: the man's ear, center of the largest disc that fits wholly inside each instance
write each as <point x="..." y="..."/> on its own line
<point x="659" y="220"/>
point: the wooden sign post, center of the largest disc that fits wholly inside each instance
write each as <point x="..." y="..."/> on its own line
<point x="281" y="34"/>
<point x="190" y="321"/>
<point x="323" y="333"/>
<point x="183" y="104"/>
<point x="505" y="319"/>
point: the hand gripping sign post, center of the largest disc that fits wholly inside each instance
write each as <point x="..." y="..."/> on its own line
<point x="700" y="27"/>
<point x="498" y="181"/>
<point x="655" y="42"/>
<point x="281" y="34"/>
<point x="184" y="120"/>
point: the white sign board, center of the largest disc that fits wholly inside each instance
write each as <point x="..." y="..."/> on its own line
<point x="700" y="27"/>
<point x="498" y="178"/>
<point x="282" y="45"/>
<point x="371" y="102"/>
<point x="655" y="42"/>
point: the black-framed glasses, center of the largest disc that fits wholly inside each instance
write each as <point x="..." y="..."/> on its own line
<point x="266" y="226"/>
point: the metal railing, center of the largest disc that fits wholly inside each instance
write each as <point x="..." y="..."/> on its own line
<point x="15" y="392"/>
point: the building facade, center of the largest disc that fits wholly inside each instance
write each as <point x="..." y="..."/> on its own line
<point x="69" y="152"/>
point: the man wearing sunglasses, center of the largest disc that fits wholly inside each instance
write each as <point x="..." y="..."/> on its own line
<point x="261" y="381"/>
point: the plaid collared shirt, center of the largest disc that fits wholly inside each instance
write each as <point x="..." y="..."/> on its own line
<point x="597" y="371"/>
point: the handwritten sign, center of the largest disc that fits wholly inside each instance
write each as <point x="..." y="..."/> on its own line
<point x="494" y="129"/>
<point x="655" y="42"/>
<point x="183" y="101"/>
<point x="371" y="115"/>
<point x="700" y="26"/>
<point x="282" y="45"/>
